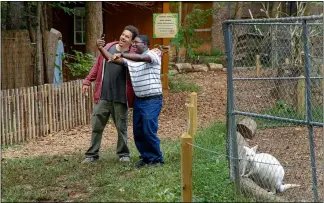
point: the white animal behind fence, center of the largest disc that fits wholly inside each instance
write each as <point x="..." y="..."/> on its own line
<point x="266" y="169"/>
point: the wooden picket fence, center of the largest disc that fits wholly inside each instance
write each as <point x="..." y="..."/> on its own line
<point x="31" y="112"/>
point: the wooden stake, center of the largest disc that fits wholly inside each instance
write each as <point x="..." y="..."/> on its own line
<point x="258" y="65"/>
<point x="190" y="110"/>
<point x="50" y="107"/>
<point x="18" y="129"/>
<point x="43" y="133"/>
<point x="14" y="117"/>
<point x="186" y="168"/>
<point x="55" y="109"/>
<point x="29" y="112"/>
<point x="79" y="101"/>
<point x="301" y="96"/>
<point x="10" y="116"/>
<point x="23" y="108"/>
<point x="63" y="106"/>
<point x="72" y="104"/>
<point x="60" y="106"/>
<point x="322" y="74"/>
<point x="35" y="113"/>
<point x="46" y="104"/>
<point x="4" y="118"/>
<point x="69" y="100"/>
<point x="66" y="102"/>
<point x="193" y="101"/>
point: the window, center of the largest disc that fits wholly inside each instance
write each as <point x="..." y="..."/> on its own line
<point x="79" y="25"/>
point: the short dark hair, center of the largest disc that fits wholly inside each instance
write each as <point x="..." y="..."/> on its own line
<point x="144" y="38"/>
<point x="133" y="30"/>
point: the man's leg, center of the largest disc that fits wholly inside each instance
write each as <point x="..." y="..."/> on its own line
<point x="138" y="128"/>
<point x="151" y="111"/>
<point x="120" y="116"/>
<point x="99" y="120"/>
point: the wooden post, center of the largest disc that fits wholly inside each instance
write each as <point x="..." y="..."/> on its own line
<point x="6" y="114"/>
<point x="322" y="74"/>
<point x="193" y="101"/>
<point x="3" y="134"/>
<point x="18" y="129"/>
<point x="186" y="168"/>
<point x="165" y="58"/>
<point x="286" y="61"/>
<point x="10" y="121"/>
<point x="258" y="65"/>
<point x="191" y="120"/>
<point x="301" y="95"/>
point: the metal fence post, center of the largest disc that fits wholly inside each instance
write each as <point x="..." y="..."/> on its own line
<point x="309" y="108"/>
<point x="231" y="125"/>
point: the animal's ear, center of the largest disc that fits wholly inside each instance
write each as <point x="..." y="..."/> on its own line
<point x="255" y="148"/>
<point x="246" y="148"/>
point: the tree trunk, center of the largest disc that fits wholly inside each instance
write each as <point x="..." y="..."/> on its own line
<point x="275" y="11"/>
<point x="39" y="50"/>
<point x="14" y="17"/>
<point x="238" y="9"/>
<point x="39" y="63"/>
<point x="221" y="13"/>
<point x="44" y="28"/>
<point x="94" y="26"/>
<point x="29" y="25"/>
<point x="180" y="21"/>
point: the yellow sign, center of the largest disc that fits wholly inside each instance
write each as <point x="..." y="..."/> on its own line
<point x="165" y="25"/>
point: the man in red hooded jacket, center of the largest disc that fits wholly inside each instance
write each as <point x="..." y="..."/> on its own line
<point x="113" y="94"/>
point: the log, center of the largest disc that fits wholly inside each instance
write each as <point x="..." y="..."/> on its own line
<point x="215" y="67"/>
<point x="250" y="188"/>
<point x="200" y="67"/>
<point x="184" y="67"/>
<point x="247" y="127"/>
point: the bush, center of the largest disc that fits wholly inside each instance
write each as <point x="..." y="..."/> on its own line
<point x="81" y="63"/>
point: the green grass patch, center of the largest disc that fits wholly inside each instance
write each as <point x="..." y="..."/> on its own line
<point x="62" y="178"/>
<point x="281" y="109"/>
<point x="179" y="84"/>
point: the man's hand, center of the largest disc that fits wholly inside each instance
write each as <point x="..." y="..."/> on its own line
<point x="157" y="51"/>
<point x="85" y="89"/>
<point x="100" y="43"/>
<point x="115" y="56"/>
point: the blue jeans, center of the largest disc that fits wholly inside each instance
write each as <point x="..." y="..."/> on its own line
<point x="145" y="127"/>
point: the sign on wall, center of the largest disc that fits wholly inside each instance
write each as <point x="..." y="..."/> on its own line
<point x="165" y="25"/>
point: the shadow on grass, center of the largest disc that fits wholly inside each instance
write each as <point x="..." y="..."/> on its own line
<point x="63" y="178"/>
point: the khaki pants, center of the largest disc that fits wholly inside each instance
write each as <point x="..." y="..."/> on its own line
<point x="101" y="114"/>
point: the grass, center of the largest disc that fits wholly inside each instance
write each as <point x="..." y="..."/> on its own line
<point x="281" y="109"/>
<point x="62" y="178"/>
<point x="178" y="84"/>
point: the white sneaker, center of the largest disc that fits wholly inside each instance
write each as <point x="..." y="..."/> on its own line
<point x="124" y="159"/>
<point x="89" y="160"/>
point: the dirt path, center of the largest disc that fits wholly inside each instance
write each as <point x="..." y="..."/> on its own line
<point x="211" y="107"/>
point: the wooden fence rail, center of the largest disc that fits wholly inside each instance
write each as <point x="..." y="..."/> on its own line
<point x="31" y="112"/>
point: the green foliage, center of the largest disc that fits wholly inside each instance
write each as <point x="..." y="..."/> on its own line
<point x="79" y="63"/>
<point x="178" y="84"/>
<point x="216" y="56"/>
<point x="63" y="5"/>
<point x="63" y="178"/>
<point x="284" y="110"/>
<point x="187" y="37"/>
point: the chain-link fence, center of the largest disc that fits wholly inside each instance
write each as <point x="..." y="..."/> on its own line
<point x="275" y="102"/>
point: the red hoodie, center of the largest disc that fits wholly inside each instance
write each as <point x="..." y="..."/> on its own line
<point x="95" y="74"/>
